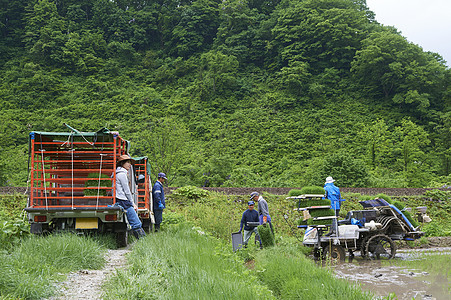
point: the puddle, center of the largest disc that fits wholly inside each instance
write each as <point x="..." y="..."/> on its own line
<point x="383" y="279"/>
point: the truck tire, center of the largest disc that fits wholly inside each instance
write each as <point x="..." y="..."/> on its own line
<point x="122" y="239"/>
<point x="147" y="226"/>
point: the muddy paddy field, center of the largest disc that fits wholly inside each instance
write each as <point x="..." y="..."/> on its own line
<point x="412" y="274"/>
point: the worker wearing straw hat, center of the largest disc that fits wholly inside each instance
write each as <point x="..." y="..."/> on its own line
<point x="124" y="196"/>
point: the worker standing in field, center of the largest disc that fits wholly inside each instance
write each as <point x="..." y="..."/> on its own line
<point x="124" y="196"/>
<point x="333" y="194"/>
<point x="263" y="210"/>
<point x="158" y="200"/>
<point x="250" y="215"/>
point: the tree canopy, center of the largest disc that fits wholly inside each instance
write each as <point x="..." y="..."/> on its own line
<point x="228" y="92"/>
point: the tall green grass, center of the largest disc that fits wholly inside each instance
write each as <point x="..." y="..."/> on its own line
<point x="184" y="263"/>
<point x="290" y="275"/>
<point x="31" y="269"/>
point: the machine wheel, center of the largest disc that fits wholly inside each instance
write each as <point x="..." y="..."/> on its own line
<point x="334" y="253"/>
<point x="122" y="239"/>
<point x="380" y="246"/>
<point x="363" y="246"/>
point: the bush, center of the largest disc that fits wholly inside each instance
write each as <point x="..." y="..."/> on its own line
<point x="434" y="229"/>
<point x="438" y="195"/>
<point x="190" y="193"/>
<point x="12" y="231"/>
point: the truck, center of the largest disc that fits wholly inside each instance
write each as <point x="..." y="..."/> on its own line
<point x="73" y="183"/>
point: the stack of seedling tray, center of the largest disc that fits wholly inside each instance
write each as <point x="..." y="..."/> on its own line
<point x="317" y="207"/>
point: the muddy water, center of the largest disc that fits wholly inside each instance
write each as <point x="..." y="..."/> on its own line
<point x="383" y="279"/>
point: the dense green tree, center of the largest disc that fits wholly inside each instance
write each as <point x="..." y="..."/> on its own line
<point x="164" y="142"/>
<point x="251" y="92"/>
<point x="196" y="28"/>
<point x="409" y="145"/>
<point x="377" y="138"/>
<point x="323" y="33"/>
<point x="45" y="32"/>
<point x="389" y="66"/>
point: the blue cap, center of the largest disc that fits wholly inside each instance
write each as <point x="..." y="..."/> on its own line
<point x="162" y="175"/>
<point x="250" y="203"/>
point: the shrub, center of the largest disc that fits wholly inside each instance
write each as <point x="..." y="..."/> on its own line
<point x="433" y="229"/>
<point x="172" y="218"/>
<point x="438" y="195"/>
<point x="190" y="193"/>
<point x="12" y="231"/>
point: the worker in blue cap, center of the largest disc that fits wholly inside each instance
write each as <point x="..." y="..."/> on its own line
<point x="158" y="200"/>
<point x="250" y="215"/>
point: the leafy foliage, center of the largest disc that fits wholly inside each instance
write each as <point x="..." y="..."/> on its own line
<point x="189" y="193"/>
<point x="228" y="93"/>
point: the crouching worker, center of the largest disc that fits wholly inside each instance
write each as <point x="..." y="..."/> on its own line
<point x="124" y="197"/>
<point x="250" y="215"/>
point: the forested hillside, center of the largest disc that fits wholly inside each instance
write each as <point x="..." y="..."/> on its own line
<point x="229" y="92"/>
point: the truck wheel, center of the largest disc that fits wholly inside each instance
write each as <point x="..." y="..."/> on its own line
<point x="122" y="239"/>
<point x="380" y="246"/>
<point x="334" y="254"/>
<point x="147" y="226"/>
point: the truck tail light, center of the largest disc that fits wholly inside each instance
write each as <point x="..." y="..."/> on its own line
<point x="40" y="218"/>
<point x="110" y="217"/>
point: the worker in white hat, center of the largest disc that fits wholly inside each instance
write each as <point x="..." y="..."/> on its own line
<point x="333" y="194"/>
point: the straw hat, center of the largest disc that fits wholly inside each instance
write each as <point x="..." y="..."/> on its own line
<point x="126" y="157"/>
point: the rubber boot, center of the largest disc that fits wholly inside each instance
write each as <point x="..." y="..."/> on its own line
<point x="141" y="232"/>
<point x="157" y="227"/>
<point x="135" y="233"/>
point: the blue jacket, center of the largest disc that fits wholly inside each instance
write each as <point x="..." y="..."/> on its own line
<point x="333" y="194"/>
<point x="158" y="196"/>
<point x="249" y="216"/>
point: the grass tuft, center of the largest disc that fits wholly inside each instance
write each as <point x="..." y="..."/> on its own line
<point x="32" y="268"/>
<point x="184" y="263"/>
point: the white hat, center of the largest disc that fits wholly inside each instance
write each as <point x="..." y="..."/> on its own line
<point x="329" y="179"/>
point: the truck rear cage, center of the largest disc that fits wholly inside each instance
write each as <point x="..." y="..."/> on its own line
<point x="77" y="170"/>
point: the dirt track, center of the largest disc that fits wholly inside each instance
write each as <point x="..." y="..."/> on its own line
<point x="87" y="284"/>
